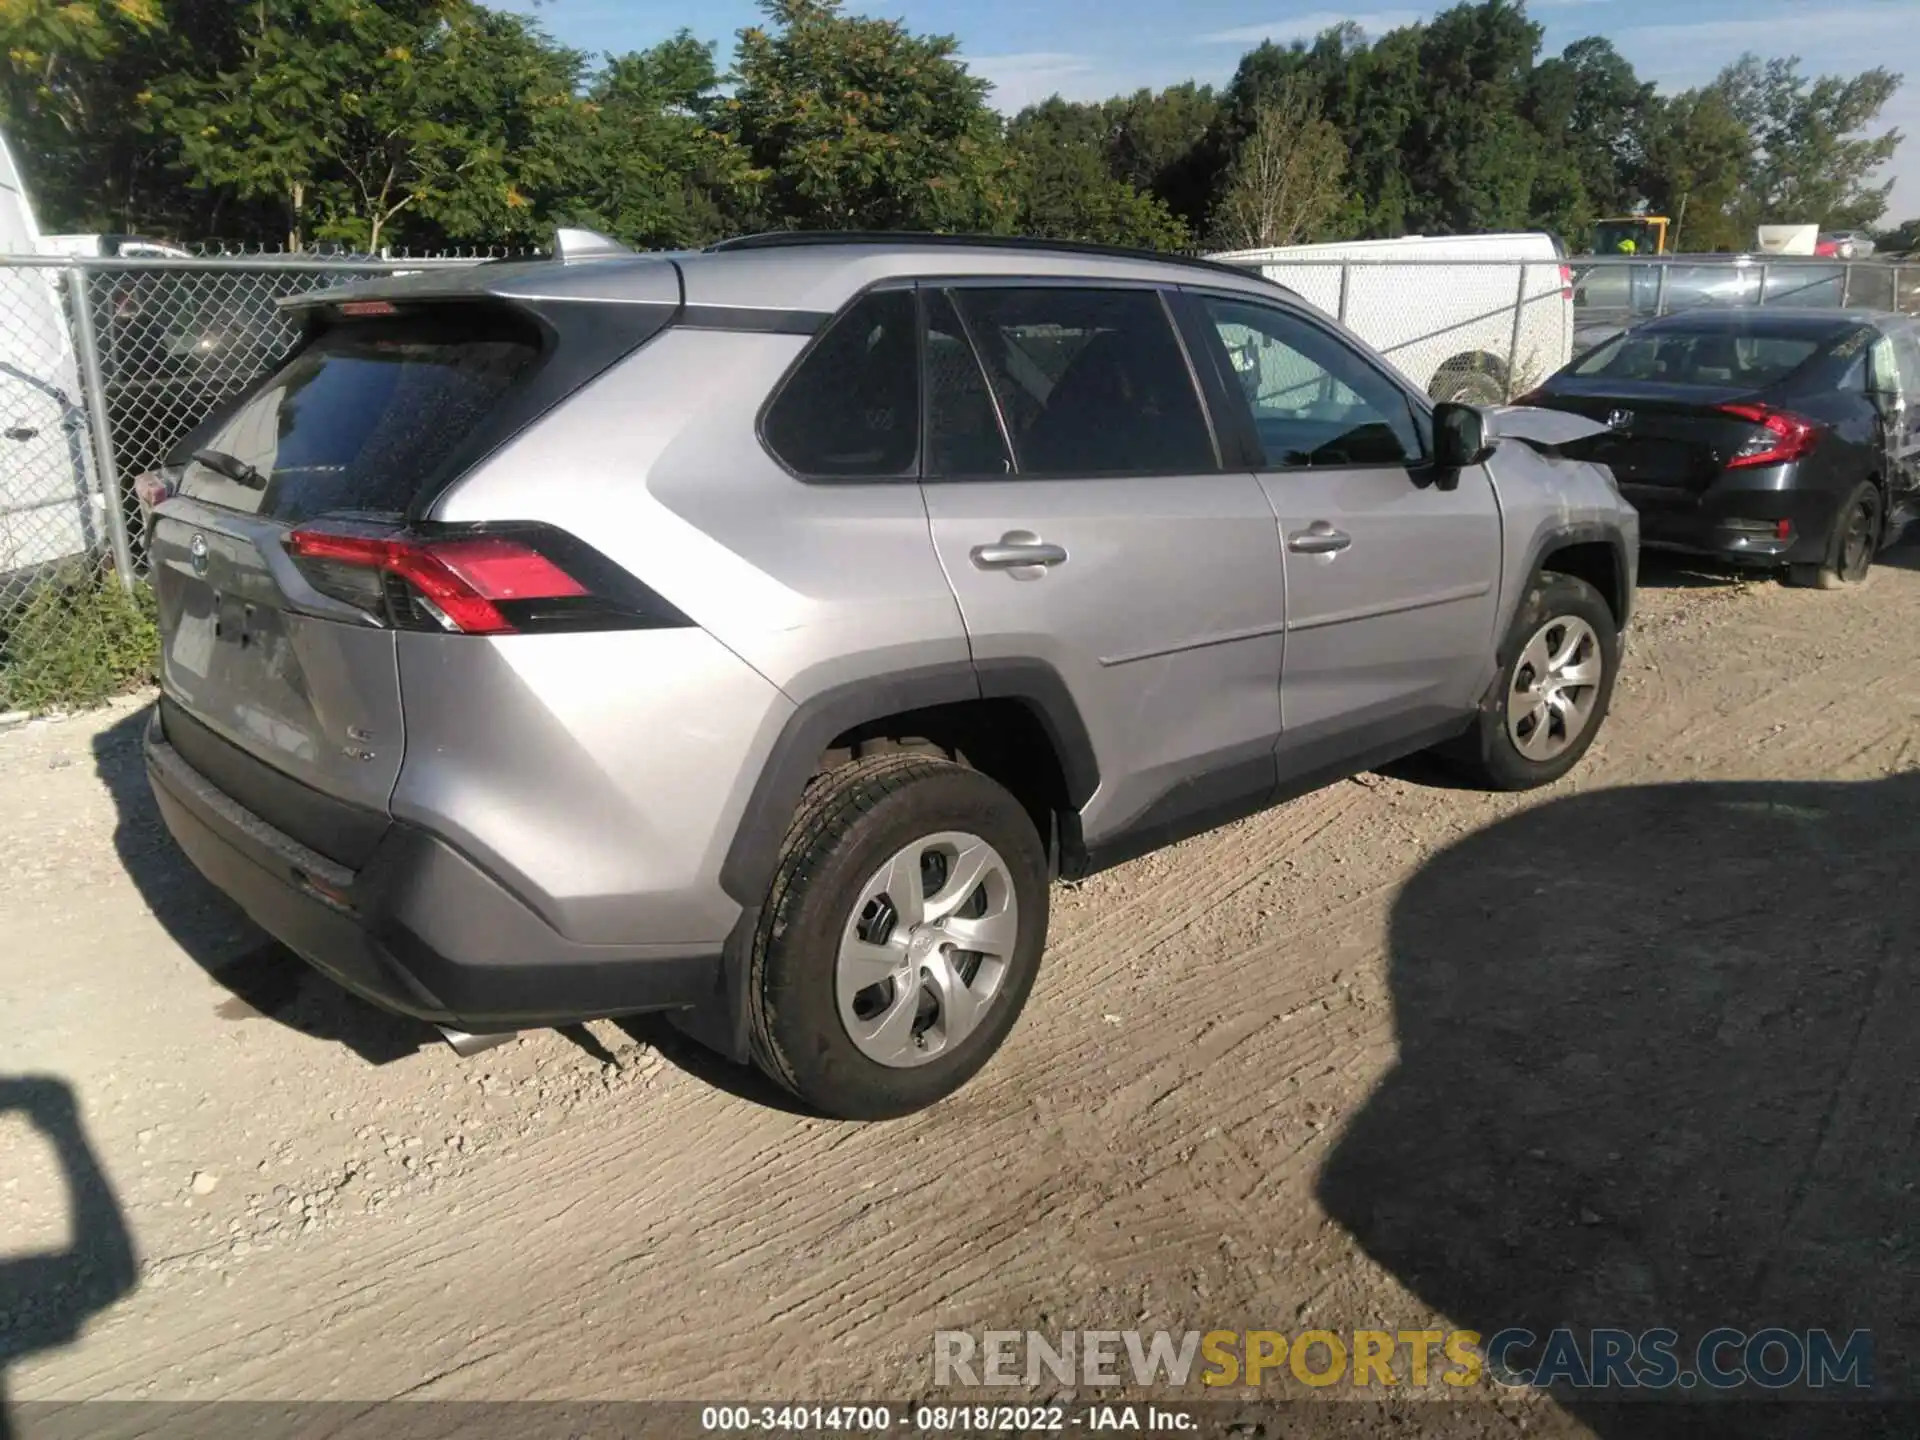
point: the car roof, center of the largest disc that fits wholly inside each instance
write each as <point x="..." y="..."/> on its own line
<point x="1809" y="322"/>
<point x="815" y="273"/>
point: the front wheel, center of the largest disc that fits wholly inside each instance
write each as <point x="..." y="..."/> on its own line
<point x="1555" y="684"/>
<point x="900" y="939"/>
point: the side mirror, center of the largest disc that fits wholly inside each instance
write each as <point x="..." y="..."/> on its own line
<point x="1459" y="441"/>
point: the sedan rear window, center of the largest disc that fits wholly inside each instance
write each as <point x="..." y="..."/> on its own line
<point x="362" y="419"/>
<point x="1699" y="358"/>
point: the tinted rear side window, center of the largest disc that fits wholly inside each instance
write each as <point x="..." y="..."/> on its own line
<point x="852" y="409"/>
<point x="361" y="419"/>
<point x="1700" y="358"/>
<point x="1090" y="382"/>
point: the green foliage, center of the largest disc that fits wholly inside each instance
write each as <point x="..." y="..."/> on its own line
<point x="1065" y="188"/>
<point x="1284" y="183"/>
<point x="422" y="122"/>
<point x="348" y="113"/>
<point x="650" y="166"/>
<point x="1696" y="150"/>
<point x="1809" y="163"/>
<point x="855" y="124"/>
<point x="77" y="640"/>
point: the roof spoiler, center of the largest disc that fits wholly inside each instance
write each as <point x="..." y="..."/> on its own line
<point x="570" y="245"/>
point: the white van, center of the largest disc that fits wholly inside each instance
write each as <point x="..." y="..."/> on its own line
<point x="50" y="507"/>
<point x="1441" y="308"/>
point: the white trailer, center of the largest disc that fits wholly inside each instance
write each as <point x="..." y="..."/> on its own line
<point x="1477" y="318"/>
<point x="50" y="506"/>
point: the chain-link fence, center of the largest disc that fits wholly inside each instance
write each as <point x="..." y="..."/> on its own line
<point x="107" y="364"/>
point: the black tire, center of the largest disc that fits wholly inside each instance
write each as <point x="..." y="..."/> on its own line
<point x="851" y="822"/>
<point x="1488" y="753"/>
<point x="1857" y="530"/>
<point x="1476" y="381"/>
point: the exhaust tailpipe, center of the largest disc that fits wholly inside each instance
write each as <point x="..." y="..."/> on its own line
<point x="467" y="1046"/>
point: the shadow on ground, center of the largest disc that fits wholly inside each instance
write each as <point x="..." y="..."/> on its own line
<point x="1659" y="1067"/>
<point x="46" y="1297"/>
<point x="265" y="979"/>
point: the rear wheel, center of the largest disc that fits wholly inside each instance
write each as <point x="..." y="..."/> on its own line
<point x="1855" y="541"/>
<point x="1474" y="380"/>
<point x="901" y="937"/>
<point x="1553" y="691"/>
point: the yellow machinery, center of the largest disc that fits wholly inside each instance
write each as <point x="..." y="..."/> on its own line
<point x="1631" y="235"/>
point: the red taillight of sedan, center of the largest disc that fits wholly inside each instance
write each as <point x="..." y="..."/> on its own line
<point x="1788" y="436"/>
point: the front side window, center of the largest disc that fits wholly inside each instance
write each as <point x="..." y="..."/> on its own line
<point x="1089" y="382"/>
<point x="852" y="409"/>
<point x="1315" y="402"/>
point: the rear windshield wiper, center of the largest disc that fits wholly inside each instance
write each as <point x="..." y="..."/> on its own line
<point x="235" y="469"/>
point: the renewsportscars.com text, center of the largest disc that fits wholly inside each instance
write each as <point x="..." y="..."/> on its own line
<point x="1770" y="1359"/>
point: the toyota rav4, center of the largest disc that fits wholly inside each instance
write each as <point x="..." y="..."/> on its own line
<point x="755" y="634"/>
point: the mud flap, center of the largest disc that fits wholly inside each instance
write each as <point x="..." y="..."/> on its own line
<point x="720" y="1024"/>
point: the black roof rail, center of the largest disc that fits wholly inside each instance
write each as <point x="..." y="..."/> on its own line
<point x="797" y="239"/>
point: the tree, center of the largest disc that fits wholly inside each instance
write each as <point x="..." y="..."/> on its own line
<point x="1162" y="143"/>
<point x="1809" y="162"/>
<point x="652" y="167"/>
<point x="1694" y="169"/>
<point x="350" y="114"/>
<point x="1590" y="110"/>
<point x="857" y="124"/>
<point x="67" y="97"/>
<point x="1285" y="182"/>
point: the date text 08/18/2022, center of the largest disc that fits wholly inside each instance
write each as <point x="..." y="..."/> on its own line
<point x="941" y="1419"/>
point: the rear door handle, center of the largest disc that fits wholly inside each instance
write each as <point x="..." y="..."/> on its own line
<point x="1016" y="550"/>
<point x="1319" y="538"/>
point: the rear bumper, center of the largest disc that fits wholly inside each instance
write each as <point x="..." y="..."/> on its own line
<point x="1737" y="525"/>
<point x="418" y="929"/>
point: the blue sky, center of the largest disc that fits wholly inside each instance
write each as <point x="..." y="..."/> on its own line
<point x="1086" y="49"/>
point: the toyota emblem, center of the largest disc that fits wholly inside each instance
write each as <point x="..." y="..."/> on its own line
<point x="1619" y="419"/>
<point x="197" y="552"/>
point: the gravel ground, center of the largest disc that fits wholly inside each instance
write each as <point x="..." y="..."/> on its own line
<point x="1635" y="1050"/>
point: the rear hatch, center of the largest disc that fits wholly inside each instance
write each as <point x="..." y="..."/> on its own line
<point x="279" y="662"/>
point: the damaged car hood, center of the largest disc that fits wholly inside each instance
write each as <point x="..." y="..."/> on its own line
<point x="1550" y="431"/>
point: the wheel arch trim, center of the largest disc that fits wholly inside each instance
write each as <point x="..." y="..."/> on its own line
<point x="754" y="852"/>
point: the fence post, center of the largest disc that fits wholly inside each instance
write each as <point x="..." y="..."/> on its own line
<point x="94" y="385"/>
<point x="1846" y="285"/>
<point x="1346" y="272"/>
<point x="1899" y="298"/>
<point x="1513" y="343"/>
<point x="1660" y="292"/>
<point x="1761" y="298"/>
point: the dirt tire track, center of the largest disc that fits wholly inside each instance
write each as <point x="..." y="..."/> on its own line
<point x="623" y="1229"/>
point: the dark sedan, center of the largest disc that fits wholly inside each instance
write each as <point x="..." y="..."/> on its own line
<point x="1764" y="437"/>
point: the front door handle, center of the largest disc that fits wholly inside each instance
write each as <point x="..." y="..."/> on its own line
<point x="1319" y="538"/>
<point x="1017" y="549"/>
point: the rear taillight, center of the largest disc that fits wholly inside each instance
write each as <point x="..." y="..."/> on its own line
<point x="477" y="580"/>
<point x="1786" y="436"/>
<point x="1566" y="282"/>
<point x="150" y="489"/>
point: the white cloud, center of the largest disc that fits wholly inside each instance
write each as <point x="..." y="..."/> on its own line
<point x="1305" y="27"/>
<point x="1026" y="78"/>
<point x="1843" y="40"/>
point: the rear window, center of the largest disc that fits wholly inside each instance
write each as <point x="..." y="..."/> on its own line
<point x="1699" y="358"/>
<point x="362" y="419"/>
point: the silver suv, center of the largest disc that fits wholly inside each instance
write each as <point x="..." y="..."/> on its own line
<point x="754" y="634"/>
